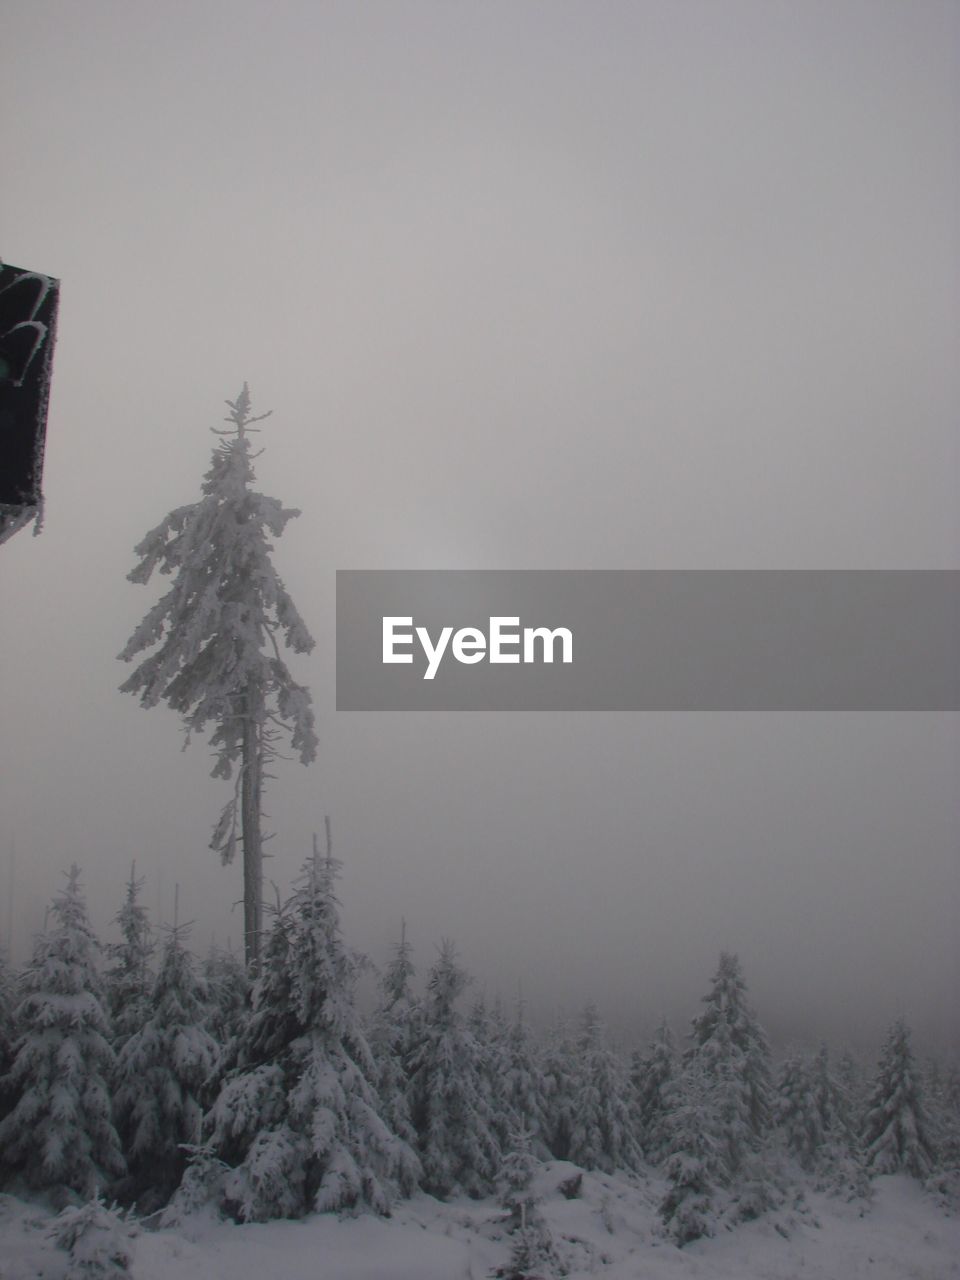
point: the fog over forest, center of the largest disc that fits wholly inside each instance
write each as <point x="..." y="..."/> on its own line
<point x="539" y="285"/>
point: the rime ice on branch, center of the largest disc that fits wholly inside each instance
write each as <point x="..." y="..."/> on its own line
<point x="216" y="636"/>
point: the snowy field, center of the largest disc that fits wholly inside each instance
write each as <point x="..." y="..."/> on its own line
<point x="610" y="1229"/>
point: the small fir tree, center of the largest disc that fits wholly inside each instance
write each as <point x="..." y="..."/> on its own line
<point x="812" y="1111"/>
<point x="60" y="1131"/>
<point x="297" y="1121"/>
<point x="651" y="1075"/>
<point x="725" y="1064"/>
<point x="533" y="1247"/>
<point x="8" y="1032"/>
<point x="457" y="1145"/>
<point x="228" y="987"/>
<point x="694" y="1160"/>
<point x="734" y="1051"/>
<point x="161" y="1073"/>
<point x="395" y="1031"/>
<point x="251" y="1101"/>
<point x="252" y="1096"/>
<point x="489" y="1035"/>
<point x="559" y="1074"/>
<point x="525" y="1087"/>
<point x="797" y="1111"/>
<point x="128" y="979"/>
<point x="895" y="1131"/>
<point x="354" y="1158"/>
<point x="97" y="1239"/>
<point x="601" y="1135"/>
<point x="728" y="1016"/>
<point x="852" y="1079"/>
<point x="942" y="1092"/>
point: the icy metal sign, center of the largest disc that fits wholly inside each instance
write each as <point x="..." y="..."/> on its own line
<point x="28" y="314"/>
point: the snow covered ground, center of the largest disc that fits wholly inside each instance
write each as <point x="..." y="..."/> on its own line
<point x="610" y="1229"/>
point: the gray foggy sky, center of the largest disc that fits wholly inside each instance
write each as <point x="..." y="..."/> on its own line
<point x="527" y="285"/>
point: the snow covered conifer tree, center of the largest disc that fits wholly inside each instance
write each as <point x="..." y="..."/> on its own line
<point x="161" y="1071"/>
<point x="353" y="1156"/>
<point x="831" y="1099"/>
<point x="695" y="1158"/>
<point x="895" y="1131"/>
<point x="651" y="1075"/>
<point x="457" y="1145"/>
<point x="251" y="1101"/>
<point x="533" y="1245"/>
<point x="725" y="1065"/>
<point x="393" y="1035"/>
<point x="733" y="1045"/>
<point x="60" y="1131"/>
<point x="97" y="1239"/>
<point x="852" y="1077"/>
<point x="517" y="1170"/>
<point x="525" y="1088"/>
<point x="272" y="1025"/>
<point x="941" y="1091"/>
<point x="489" y="1035"/>
<point x="559" y="1074"/>
<point x="298" y="1120"/>
<point x="229" y="991"/>
<point x="7" y="1031"/>
<point x="797" y="1110"/>
<point x="602" y="1135"/>
<point x="128" y="979"/>
<point x="215" y="636"/>
<point x="812" y="1111"/>
<point x="948" y="1144"/>
<point x="395" y="983"/>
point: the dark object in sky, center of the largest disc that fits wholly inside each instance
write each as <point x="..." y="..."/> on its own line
<point x="28" y="316"/>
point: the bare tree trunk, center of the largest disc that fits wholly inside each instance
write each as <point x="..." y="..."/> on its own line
<point x="250" y="809"/>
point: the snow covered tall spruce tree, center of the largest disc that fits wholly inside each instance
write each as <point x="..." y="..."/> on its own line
<point x="60" y="1132"/>
<point x="214" y="635"/>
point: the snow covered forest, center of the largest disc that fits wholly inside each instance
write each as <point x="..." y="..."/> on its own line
<point x="144" y="1083"/>
<point x="146" y="1090"/>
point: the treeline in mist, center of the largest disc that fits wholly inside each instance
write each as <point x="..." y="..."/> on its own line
<point x="136" y="1072"/>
